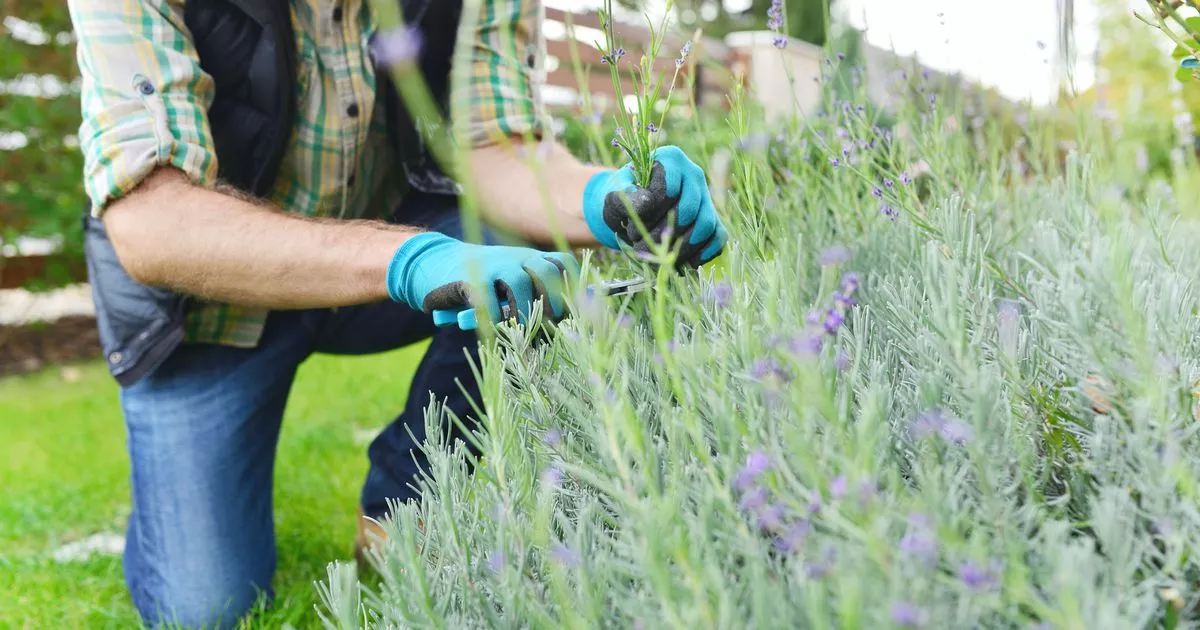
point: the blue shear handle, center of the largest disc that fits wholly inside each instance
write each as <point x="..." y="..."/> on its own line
<point x="465" y="318"/>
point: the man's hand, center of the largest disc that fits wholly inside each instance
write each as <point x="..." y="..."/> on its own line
<point x="435" y="272"/>
<point x="677" y="188"/>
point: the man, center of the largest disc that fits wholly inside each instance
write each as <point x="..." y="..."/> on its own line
<point x="259" y="193"/>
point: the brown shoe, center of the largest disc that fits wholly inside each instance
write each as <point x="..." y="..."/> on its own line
<point x="370" y="533"/>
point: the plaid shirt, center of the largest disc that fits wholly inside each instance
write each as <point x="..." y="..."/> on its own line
<point x="337" y="165"/>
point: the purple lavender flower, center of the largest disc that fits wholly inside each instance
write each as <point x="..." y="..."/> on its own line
<point x="780" y="42"/>
<point x="905" y="179"/>
<point x="552" y="476"/>
<point x="843" y="302"/>
<point x="806" y="344"/>
<point x="821" y="568"/>
<point x="867" y="489"/>
<point x="957" y="432"/>
<point x="847" y="149"/>
<point x="565" y="556"/>
<point x="552" y="437"/>
<point x="877" y="192"/>
<point x="888" y="211"/>
<point x="976" y="577"/>
<point x="814" y="503"/>
<point x="862" y="109"/>
<point x="398" y="46"/>
<point x="906" y="615"/>
<point x="496" y="561"/>
<point x="775" y="15"/>
<point x="770" y="518"/>
<point x="918" y="541"/>
<point x="615" y="143"/>
<point x="683" y="54"/>
<point x="620" y="52"/>
<point x="837" y="487"/>
<point x="841" y="361"/>
<point x="834" y="255"/>
<point x="887" y="183"/>
<point x="850" y="283"/>
<point x="757" y="462"/>
<point x="720" y="293"/>
<point x="793" y="537"/>
<point x="928" y="424"/>
<point x="814" y="318"/>
<point x="841" y="56"/>
<point x="833" y="321"/>
<point x="769" y="368"/>
<point x="834" y="162"/>
<point x="753" y="500"/>
<point x="652" y="128"/>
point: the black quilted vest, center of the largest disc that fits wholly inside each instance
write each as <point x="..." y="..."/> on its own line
<point x="248" y="47"/>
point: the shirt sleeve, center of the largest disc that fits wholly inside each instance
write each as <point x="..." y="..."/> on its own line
<point x="504" y="88"/>
<point x="143" y="96"/>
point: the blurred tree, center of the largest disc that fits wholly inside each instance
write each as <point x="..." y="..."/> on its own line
<point x="41" y="185"/>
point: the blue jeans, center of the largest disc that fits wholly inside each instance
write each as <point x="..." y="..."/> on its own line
<point x="202" y="432"/>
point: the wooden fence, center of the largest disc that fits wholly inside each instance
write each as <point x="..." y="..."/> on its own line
<point x="572" y="67"/>
<point x="714" y="66"/>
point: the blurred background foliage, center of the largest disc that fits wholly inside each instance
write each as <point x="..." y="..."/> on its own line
<point x="41" y="187"/>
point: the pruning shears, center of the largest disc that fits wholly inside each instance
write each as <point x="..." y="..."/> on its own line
<point x="466" y="318"/>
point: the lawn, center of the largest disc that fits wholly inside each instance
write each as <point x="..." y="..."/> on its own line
<point x="64" y="477"/>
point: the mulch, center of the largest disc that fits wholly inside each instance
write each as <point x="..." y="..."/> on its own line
<point x="28" y="348"/>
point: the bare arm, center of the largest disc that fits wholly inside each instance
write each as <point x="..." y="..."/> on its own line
<point x="514" y="194"/>
<point x="171" y="233"/>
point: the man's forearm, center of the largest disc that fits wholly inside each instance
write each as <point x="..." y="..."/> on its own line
<point x="515" y="195"/>
<point x="172" y="233"/>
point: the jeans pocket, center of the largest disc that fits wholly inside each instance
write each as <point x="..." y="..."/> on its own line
<point x="139" y="325"/>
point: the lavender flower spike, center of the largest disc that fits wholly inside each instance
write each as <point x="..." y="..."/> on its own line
<point x="683" y="54"/>
<point x="957" y="432"/>
<point x="834" y="255"/>
<point x="837" y="487"/>
<point x="756" y="464"/>
<point x="496" y="561"/>
<point x="565" y="556"/>
<point x="976" y="577"/>
<point x="905" y="615"/>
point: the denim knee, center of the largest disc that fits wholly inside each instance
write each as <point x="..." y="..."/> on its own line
<point x="195" y="591"/>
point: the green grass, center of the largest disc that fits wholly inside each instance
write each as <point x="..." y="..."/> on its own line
<point x="64" y="476"/>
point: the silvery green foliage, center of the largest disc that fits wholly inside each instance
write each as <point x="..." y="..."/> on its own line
<point x="1000" y="434"/>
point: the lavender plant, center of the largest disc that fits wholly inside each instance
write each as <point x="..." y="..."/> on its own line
<point x="943" y="381"/>
<point x="637" y="133"/>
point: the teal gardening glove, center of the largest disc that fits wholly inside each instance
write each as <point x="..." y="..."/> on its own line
<point x="435" y="273"/>
<point x="676" y="183"/>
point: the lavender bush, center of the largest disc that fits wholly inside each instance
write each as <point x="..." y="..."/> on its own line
<point x="968" y="407"/>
